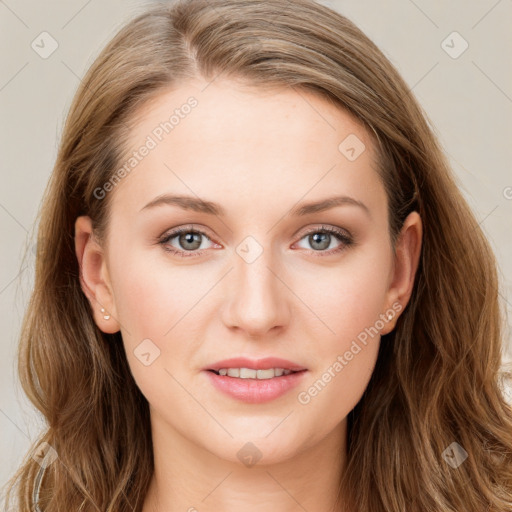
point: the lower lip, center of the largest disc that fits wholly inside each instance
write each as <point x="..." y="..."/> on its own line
<point x="256" y="391"/>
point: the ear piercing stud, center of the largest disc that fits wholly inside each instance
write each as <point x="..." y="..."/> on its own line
<point x="389" y="316"/>
<point x="106" y="317"/>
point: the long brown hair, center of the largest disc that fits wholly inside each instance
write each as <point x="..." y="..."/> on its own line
<point x="438" y="378"/>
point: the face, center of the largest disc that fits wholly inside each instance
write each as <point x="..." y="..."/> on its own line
<point x="257" y="272"/>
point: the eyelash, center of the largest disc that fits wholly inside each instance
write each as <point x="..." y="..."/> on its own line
<point x="346" y="240"/>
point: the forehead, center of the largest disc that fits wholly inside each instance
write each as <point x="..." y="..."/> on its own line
<point x="245" y="146"/>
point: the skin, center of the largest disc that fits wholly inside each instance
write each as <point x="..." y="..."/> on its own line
<point x="258" y="154"/>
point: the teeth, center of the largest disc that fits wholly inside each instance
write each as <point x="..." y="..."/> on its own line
<point x="249" y="373"/>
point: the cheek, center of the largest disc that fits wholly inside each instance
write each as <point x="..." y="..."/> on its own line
<point x="346" y="356"/>
<point x="152" y="305"/>
<point x="337" y="388"/>
<point x="152" y="296"/>
<point x="162" y="304"/>
<point x="348" y="298"/>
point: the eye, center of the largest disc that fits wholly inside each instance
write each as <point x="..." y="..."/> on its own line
<point x="188" y="239"/>
<point x="322" y="238"/>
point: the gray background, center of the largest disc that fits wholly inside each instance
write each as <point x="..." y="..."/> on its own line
<point x="468" y="101"/>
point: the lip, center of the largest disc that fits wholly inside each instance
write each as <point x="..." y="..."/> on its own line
<point x="256" y="364"/>
<point x="255" y="391"/>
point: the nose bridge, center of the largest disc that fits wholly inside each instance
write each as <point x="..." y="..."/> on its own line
<point x="257" y="301"/>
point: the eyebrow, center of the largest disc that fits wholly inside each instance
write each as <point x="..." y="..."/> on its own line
<point x="211" y="208"/>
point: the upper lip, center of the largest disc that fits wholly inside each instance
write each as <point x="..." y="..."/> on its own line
<point x="256" y="364"/>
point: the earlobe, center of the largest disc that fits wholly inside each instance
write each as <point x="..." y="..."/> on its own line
<point x="94" y="278"/>
<point x="408" y="250"/>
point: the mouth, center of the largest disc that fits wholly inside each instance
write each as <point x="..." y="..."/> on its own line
<point x="246" y="368"/>
<point x="252" y="373"/>
<point x="255" y="381"/>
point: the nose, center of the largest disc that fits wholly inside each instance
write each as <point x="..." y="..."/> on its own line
<point x="257" y="300"/>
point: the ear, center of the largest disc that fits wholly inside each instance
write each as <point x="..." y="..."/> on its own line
<point x="408" y="250"/>
<point x="94" y="278"/>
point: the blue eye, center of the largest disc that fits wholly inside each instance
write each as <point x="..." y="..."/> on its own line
<point x="190" y="240"/>
<point x="318" y="237"/>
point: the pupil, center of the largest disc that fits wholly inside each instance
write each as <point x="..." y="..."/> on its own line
<point x="325" y="237"/>
<point x="189" y="239"/>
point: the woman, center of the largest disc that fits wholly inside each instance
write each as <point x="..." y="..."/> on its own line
<point x="261" y="287"/>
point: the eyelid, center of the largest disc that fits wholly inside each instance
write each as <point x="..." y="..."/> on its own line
<point x="322" y="227"/>
<point x="198" y="228"/>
